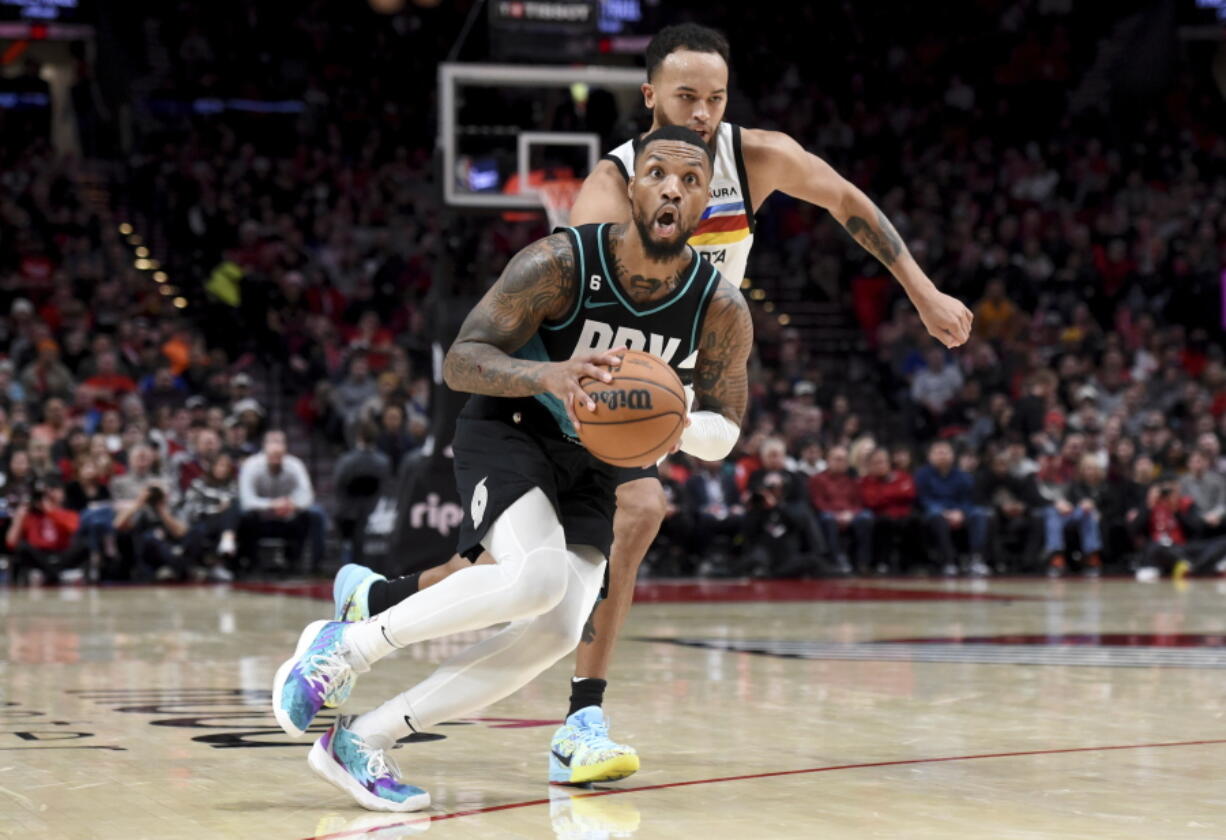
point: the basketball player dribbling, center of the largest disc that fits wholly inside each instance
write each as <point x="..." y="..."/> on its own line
<point x="534" y="498"/>
<point x="687" y="85"/>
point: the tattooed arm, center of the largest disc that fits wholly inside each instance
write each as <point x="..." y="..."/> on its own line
<point x="538" y="284"/>
<point x="721" y="376"/>
<point x="775" y="161"/>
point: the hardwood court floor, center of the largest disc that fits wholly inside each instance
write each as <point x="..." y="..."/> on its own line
<point x="869" y="709"/>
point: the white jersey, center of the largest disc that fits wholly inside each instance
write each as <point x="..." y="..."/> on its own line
<point x="725" y="234"/>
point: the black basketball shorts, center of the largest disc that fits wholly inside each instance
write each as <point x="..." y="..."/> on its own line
<point x="497" y="462"/>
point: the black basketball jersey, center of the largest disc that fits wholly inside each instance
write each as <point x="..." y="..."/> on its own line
<point x="604" y="317"/>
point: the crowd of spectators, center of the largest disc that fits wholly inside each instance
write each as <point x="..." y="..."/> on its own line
<point x="1080" y="428"/>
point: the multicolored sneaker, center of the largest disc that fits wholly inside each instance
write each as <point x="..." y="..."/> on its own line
<point x="363" y="771"/>
<point x="349" y="592"/>
<point x="319" y="663"/>
<point x="581" y="751"/>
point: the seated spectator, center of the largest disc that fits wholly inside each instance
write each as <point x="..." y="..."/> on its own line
<point x="793" y="495"/>
<point x="1081" y="507"/>
<point x="393" y="439"/>
<point x="69" y="451"/>
<point x="46" y="376"/>
<point x="946" y="499"/>
<point x="54" y="425"/>
<point x="85" y="491"/>
<point x="42" y="465"/>
<point x="836" y="497"/>
<point x="277" y="500"/>
<point x="1207" y="490"/>
<point x="18" y="477"/>
<point x="1016" y="503"/>
<point x="210" y="512"/>
<point x="109" y="384"/>
<point x="195" y="461"/>
<point x="889" y="495"/>
<point x="715" y="508"/>
<point x="810" y="462"/>
<point x="41" y="537"/>
<point x="934" y="390"/>
<point x="357" y="480"/>
<point x="352" y="392"/>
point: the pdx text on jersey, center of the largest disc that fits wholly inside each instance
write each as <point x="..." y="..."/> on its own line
<point x="599" y="336"/>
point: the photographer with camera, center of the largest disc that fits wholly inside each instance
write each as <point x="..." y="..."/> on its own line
<point x="772" y="531"/>
<point x="41" y="536"/>
<point x="144" y="521"/>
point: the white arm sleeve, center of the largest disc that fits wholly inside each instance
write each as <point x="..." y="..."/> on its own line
<point x="710" y="436"/>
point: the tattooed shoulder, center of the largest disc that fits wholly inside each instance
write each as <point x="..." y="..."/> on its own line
<point x="542" y="276"/>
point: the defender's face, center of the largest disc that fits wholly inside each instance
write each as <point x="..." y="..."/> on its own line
<point x="668" y="195"/>
<point x="689" y="89"/>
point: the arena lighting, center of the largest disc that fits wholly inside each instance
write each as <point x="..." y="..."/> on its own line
<point x="784" y="319"/>
<point x="160" y="277"/>
<point x="142" y="252"/>
<point x="769" y="306"/>
<point x="180" y="303"/>
<point x="758" y="294"/>
<point x="125" y="229"/>
<point x="154" y="265"/>
<point x="142" y="265"/>
<point x="746" y="283"/>
<point x="167" y="290"/>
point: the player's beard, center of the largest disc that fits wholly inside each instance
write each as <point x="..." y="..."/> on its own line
<point x="658" y="250"/>
<point x="660" y="117"/>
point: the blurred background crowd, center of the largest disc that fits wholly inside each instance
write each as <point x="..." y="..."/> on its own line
<point x="217" y="319"/>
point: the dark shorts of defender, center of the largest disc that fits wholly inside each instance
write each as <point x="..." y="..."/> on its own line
<point x="506" y="461"/>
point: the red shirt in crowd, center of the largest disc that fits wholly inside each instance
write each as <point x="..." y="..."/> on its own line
<point x="835" y="492"/>
<point x="49" y="530"/>
<point x="115" y="385"/>
<point x="892" y="495"/>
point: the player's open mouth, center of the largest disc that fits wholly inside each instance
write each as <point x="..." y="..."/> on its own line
<point x="665" y="224"/>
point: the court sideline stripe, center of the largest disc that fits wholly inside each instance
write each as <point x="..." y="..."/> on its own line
<point x="773" y="774"/>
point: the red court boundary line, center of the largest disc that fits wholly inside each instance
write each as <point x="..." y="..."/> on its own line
<point x="774" y="774"/>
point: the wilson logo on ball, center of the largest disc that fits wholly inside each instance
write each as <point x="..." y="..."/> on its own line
<point x="636" y="399"/>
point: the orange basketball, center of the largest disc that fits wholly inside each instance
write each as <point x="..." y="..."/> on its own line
<point x="638" y="416"/>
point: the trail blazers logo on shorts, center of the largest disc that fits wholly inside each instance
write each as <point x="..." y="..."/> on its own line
<point x="481" y="497"/>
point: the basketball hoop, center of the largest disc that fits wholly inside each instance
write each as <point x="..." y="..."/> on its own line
<point x="559" y="196"/>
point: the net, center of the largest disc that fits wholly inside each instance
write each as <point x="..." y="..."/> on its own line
<point x="559" y="196"/>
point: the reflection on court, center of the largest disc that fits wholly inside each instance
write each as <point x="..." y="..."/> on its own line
<point x="1019" y="709"/>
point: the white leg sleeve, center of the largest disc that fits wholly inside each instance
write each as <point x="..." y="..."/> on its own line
<point x="529" y="578"/>
<point x="498" y="666"/>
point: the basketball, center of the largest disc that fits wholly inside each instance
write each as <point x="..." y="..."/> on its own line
<point x="638" y="416"/>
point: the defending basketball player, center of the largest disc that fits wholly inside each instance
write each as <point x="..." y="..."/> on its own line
<point x="687" y="85"/>
<point x="535" y="499"/>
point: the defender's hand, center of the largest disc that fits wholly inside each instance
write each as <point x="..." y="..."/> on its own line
<point x="947" y="319"/>
<point x="562" y="378"/>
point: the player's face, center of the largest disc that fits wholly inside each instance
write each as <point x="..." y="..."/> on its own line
<point x="689" y="89"/>
<point x="667" y="196"/>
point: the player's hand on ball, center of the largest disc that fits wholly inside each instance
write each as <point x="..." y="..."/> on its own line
<point x="562" y="378"/>
<point x="947" y="319"/>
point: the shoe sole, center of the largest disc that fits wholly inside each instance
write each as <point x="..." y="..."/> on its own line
<point x="610" y="770"/>
<point x="326" y="767"/>
<point x="304" y="642"/>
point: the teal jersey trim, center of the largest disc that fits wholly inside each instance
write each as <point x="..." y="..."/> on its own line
<point x="578" y="289"/>
<point x="677" y="295"/>
<point x="534" y="351"/>
<point x="702" y="303"/>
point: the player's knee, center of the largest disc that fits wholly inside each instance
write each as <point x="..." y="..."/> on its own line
<point x="542" y="585"/>
<point x="640" y="505"/>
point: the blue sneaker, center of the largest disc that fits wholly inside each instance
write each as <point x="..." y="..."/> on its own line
<point x="319" y="663"/>
<point x="581" y="751"/>
<point x="349" y="592"/>
<point x="363" y="771"/>
<point x="349" y="604"/>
